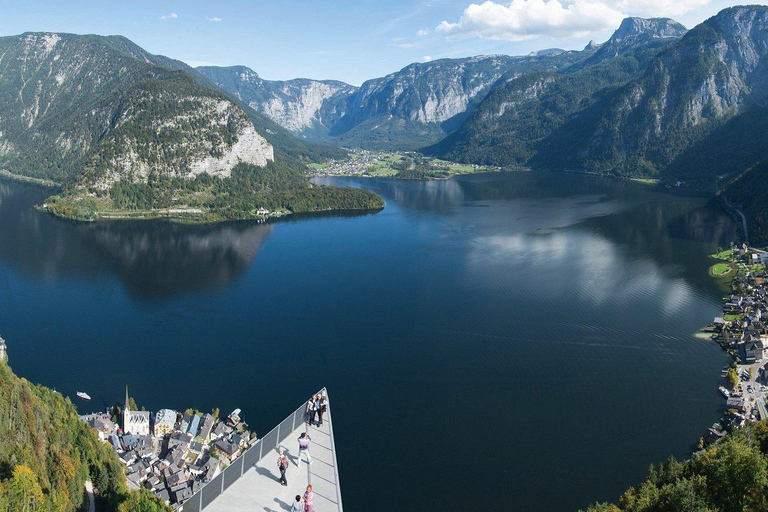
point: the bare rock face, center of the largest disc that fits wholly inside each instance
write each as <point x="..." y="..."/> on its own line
<point x="95" y="110"/>
<point x="410" y="104"/>
<point x="197" y="134"/>
<point x="249" y="148"/>
<point x="714" y="73"/>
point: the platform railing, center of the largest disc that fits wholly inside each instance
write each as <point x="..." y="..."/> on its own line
<point x="232" y="473"/>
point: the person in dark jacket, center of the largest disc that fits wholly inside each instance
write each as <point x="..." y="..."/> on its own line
<point x="311" y="410"/>
<point x="322" y="405"/>
<point x="282" y="465"/>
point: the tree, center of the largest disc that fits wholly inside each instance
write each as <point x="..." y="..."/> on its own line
<point x="736" y="473"/>
<point x="215" y="413"/>
<point x="733" y="378"/>
<point x="24" y="492"/>
<point x="143" y="501"/>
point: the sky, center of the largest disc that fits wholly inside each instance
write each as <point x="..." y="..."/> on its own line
<point x="351" y="41"/>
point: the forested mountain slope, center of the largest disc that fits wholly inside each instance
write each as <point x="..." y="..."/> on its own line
<point x="47" y="454"/>
<point x="124" y="130"/>
<point x="511" y="126"/>
<point x="696" y="101"/>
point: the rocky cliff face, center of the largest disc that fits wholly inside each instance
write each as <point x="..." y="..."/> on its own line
<point x="636" y="32"/>
<point x="139" y="143"/>
<point x="716" y="72"/>
<point x="646" y="103"/>
<point x="303" y="106"/>
<point x="407" y="109"/>
<point x="509" y="127"/>
<point x="70" y="103"/>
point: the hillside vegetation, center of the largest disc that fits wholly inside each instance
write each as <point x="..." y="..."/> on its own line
<point x="126" y="132"/>
<point x="729" y="476"/>
<point x="47" y="454"/>
<point x="750" y="193"/>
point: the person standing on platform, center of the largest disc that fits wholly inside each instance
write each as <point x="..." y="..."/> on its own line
<point x="322" y="405"/>
<point x="311" y="410"/>
<point x="282" y="465"/>
<point x="309" y="497"/>
<point x="304" y="441"/>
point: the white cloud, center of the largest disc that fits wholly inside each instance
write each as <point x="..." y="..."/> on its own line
<point x="426" y="58"/>
<point x="527" y="19"/>
<point x="215" y="19"/>
<point x="422" y="32"/>
<point x="401" y="45"/>
<point x="171" y="16"/>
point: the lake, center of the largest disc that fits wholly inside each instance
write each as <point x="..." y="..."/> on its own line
<point x="520" y="339"/>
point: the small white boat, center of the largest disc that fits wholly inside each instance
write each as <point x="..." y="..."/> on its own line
<point x="725" y="392"/>
<point x="83" y="395"/>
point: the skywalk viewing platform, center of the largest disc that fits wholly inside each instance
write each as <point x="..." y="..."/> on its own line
<point x="255" y="483"/>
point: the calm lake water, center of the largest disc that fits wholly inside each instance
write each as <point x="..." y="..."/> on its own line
<point x="519" y="339"/>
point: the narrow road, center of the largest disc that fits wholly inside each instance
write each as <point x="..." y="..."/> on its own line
<point x="91" y="498"/>
<point x="761" y="408"/>
<point x="743" y="219"/>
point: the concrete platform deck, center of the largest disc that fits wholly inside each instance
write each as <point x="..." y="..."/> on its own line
<point x="259" y="488"/>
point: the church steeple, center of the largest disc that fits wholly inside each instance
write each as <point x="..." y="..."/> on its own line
<point x="126" y="412"/>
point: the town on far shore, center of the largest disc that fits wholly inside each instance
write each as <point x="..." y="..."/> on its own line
<point x="742" y="331"/>
<point x="399" y="164"/>
<point x="173" y="454"/>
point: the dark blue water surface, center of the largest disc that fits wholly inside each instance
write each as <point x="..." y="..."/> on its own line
<point x="520" y="339"/>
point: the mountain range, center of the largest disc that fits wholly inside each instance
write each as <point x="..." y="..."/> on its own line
<point x="655" y="100"/>
<point x="110" y="121"/>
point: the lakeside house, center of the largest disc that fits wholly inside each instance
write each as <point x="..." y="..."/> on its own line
<point x="165" y="421"/>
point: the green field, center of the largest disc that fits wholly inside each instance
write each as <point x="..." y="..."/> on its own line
<point x="725" y="255"/>
<point x="720" y="269"/>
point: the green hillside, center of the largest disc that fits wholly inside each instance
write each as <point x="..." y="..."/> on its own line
<point x="47" y="454"/>
<point x="729" y="476"/>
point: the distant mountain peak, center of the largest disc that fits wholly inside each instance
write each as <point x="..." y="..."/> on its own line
<point x="547" y="52"/>
<point x="592" y="45"/>
<point x="654" y="28"/>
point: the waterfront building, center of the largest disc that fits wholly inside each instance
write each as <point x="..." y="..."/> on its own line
<point x="165" y="422"/>
<point x="134" y="422"/>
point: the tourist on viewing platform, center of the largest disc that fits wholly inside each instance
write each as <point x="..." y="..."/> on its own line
<point x="311" y="410"/>
<point x="297" y="506"/>
<point x="282" y="465"/>
<point x="309" y="496"/>
<point x="322" y="405"/>
<point x="304" y="441"/>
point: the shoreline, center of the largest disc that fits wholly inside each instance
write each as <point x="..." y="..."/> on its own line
<point x="738" y="332"/>
<point x="4" y="173"/>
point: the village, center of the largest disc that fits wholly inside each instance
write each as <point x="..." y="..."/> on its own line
<point x="401" y="164"/>
<point x="169" y="453"/>
<point x="742" y="331"/>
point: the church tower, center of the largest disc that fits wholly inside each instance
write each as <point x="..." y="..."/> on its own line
<point x="126" y="411"/>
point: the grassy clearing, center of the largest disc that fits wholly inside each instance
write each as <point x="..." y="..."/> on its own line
<point x="732" y="318"/>
<point x="720" y="269"/>
<point x="725" y="255"/>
